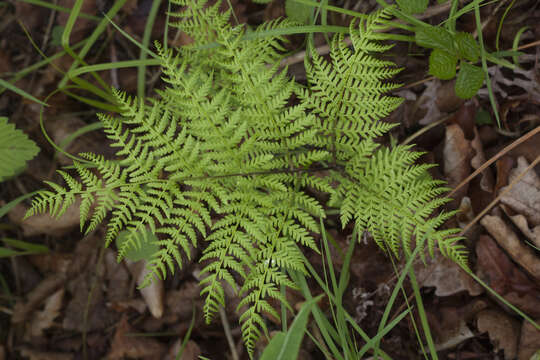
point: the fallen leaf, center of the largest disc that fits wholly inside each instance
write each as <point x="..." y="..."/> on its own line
<point x="521" y="222"/>
<point x="87" y="297"/>
<point x="124" y="346"/>
<point x="524" y="196"/>
<point x="503" y="331"/>
<point x="521" y="253"/>
<point x="450" y="328"/>
<point x="153" y="293"/>
<point x="457" y="155"/>
<point x="45" y="355"/>
<point x="446" y="277"/>
<point x="118" y="285"/>
<point x="529" y="341"/>
<point x="45" y="223"/>
<point x="503" y="276"/>
<point x="486" y="180"/>
<point x="48" y="286"/>
<point x="191" y="351"/>
<point x="44" y="319"/>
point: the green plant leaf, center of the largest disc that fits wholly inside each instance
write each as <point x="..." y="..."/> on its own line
<point x="148" y="245"/>
<point x="442" y="64"/>
<point x="21" y="248"/>
<point x="467" y="47"/>
<point x="434" y="38"/>
<point x="413" y="6"/>
<point x="15" y="150"/>
<point x="297" y="11"/>
<point x="469" y="80"/>
<point x="285" y="346"/>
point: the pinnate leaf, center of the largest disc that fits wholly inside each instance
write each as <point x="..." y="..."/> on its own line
<point x="15" y="149"/>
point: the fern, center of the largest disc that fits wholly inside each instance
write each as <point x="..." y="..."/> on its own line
<point x="15" y="150"/>
<point x="221" y="155"/>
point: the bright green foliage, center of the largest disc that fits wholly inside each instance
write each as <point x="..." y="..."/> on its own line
<point x="15" y="150"/>
<point x="469" y="80"/>
<point x="222" y="155"/>
<point x="413" y="6"/>
<point x="467" y="47"/>
<point x="448" y="49"/>
<point x="442" y="64"/>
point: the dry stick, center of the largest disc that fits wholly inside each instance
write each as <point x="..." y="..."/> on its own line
<point x="494" y="202"/>
<point x="228" y="335"/>
<point x="522" y="139"/>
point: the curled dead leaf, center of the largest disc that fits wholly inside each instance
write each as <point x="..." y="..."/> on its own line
<point x="521" y="222"/>
<point x="507" y="239"/>
<point x="529" y="341"/>
<point x="45" y="223"/>
<point x="503" y="331"/>
<point x="524" y="196"/>
<point x="457" y="155"/>
<point x="504" y="277"/>
<point x="44" y="319"/>
<point x="124" y="346"/>
<point x="153" y="293"/>
<point x="191" y="351"/>
<point x="41" y="292"/>
<point x="446" y="276"/>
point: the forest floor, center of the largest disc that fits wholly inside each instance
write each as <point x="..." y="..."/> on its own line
<point x="77" y="302"/>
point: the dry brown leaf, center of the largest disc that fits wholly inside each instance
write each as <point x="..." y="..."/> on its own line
<point x="191" y="351"/>
<point x="457" y="155"/>
<point x="524" y="197"/>
<point x="503" y="331"/>
<point x="446" y="276"/>
<point x="507" y="239"/>
<point x="124" y="346"/>
<point x="504" y="277"/>
<point x="118" y="285"/>
<point x="529" y="341"/>
<point x="521" y="222"/>
<point x="45" y="355"/>
<point x="450" y="329"/>
<point x="44" y="319"/>
<point x="87" y="297"/>
<point x="153" y="293"/>
<point x="48" y="286"/>
<point x="486" y="181"/>
<point x="45" y="223"/>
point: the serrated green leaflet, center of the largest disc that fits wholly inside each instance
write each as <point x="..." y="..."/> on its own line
<point x="15" y="149"/>
<point x="442" y="64"/>
<point x="469" y="80"/>
<point x="467" y="47"/>
<point x="434" y="38"/>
